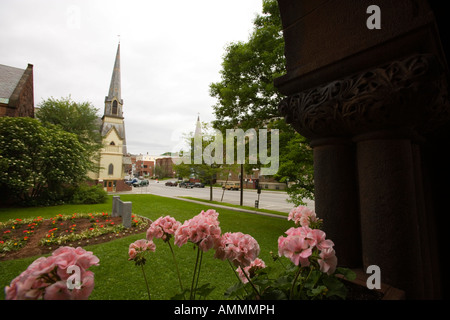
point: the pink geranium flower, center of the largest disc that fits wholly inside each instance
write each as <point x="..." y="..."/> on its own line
<point x="300" y="243"/>
<point x="240" y="249"/>
<point x="318" y="237"/>
<point x="328" y="260"/>
<point x="46" y="277"/>
<point x="140" y="246"/>
<point x="296" y="248"/>
<point x="163" y="228"/>
<point x="302" y="215"/>
<point x="250" y="270"/>
<point x="202" y="230"/>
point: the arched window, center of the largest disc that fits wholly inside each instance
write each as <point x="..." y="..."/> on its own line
<point x="112" y="143"/>
<point x="114" y="107"/>
<point x="111" y="169"/>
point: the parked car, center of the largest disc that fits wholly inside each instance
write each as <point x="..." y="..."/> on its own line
<point x="231" y="186"/>
<point x="140" y="183"/>
<point x="186" y="184"/>
<point x="199" y="185"/>
<point x="171" y="183"/>
<point x="130" y="182"/>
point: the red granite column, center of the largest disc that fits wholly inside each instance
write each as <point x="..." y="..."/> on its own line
<point x="335" y="193"/>
<point x="390" y="228"/>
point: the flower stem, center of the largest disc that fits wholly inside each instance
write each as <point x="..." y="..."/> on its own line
<point x="146" y="282"/>
<point x="198" y="272"/>
<point x="193" y="277"/>
<point x="303" y="284"/>
<point x="237" y="276"/>
<point x="235" y="273"/>
<point x="293" y="283"/>
<point x="282" y="264"/>
<point x="178" y="271"/>
<point x="258" y="295"/>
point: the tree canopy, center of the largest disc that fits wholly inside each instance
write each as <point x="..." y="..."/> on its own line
<point x="247" y="98"/>
<point x="79" y="118"/>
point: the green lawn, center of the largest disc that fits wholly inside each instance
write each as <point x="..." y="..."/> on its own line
<point x="118" y="278"/>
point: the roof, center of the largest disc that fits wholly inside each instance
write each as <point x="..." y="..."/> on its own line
<point x="9" y="79"/>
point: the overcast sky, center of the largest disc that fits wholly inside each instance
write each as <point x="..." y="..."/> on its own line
<point x="170" y="53"/>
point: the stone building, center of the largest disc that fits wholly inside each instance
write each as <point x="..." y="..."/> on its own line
<point x="16" y="91"/>
<point x="372" y="97"/>
<point x="114" y="160"/>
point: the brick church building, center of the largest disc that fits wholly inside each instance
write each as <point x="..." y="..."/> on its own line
<point x="16" y="91"/>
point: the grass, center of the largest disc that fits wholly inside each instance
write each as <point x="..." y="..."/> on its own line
<point x="238" y="206"/>
<point x="119" y="279"/>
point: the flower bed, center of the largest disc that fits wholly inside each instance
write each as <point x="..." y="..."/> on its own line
<point x="16" y="233"/>
<point x="25" y="237"/>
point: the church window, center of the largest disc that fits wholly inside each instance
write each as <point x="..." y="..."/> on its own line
<point x="114" y="107"/>
<point x="111" y="169"/>
<point x="112" y="143"/>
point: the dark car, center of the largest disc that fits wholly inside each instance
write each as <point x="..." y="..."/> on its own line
<point x="199" y="185"/>
<point x="171" y="183"/>
<point x="140" y="183"/>
<point x="186" y="184"/>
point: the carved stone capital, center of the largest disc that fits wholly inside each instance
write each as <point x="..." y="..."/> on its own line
<point x="411" y="92"/>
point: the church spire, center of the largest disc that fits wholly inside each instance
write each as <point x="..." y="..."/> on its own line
<point x="113" y="101"/>
<point x="198" y="126"/>
<point x="114" y="88"/>
<point x="113" y="114"/>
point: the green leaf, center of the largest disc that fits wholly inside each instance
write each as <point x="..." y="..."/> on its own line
<point x="204" y="290"/>
<point x="313" y="279"/>
<point x="317" y="292"/>
<point x="275" y="294"/>
<point x="235" y="290"/>
<point x="180" y="296"/>
<point x="347" y="273"/>
<point x="335" y="287"/>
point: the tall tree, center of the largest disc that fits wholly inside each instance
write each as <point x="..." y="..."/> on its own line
<point x="247" y="98"/>
<point x="246" y="94"/>
<point x="79" y="118"/>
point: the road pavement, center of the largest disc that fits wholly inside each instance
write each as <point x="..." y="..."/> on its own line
<point x="272" y="200"/>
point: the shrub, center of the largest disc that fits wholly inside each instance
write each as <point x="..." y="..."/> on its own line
<point x="36" y="161"/>
<point x="86" y="194"/>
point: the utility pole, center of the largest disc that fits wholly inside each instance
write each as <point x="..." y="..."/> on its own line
<point x="242" y="184"/>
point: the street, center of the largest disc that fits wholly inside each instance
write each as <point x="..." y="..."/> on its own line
<point x="272" y="200"/>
